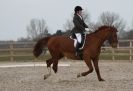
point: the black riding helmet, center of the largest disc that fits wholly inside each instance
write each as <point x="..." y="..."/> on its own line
<point x="78" y="8"/>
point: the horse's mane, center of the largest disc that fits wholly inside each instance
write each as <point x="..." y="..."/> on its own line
<point x="102" y="28"/>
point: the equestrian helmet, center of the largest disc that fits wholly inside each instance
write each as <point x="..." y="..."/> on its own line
<point x="78" y="8"/>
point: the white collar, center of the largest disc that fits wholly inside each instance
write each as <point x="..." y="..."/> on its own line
<point x="80" y="16"/>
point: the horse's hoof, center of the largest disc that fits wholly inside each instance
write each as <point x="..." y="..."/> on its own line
<point x="54" y="69"/>
<point x="45" y="77"/>
<point x="101" y="79"/>
<point x="79" y="75"/>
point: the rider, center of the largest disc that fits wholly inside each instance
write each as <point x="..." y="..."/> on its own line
<point x="79" y="27"/>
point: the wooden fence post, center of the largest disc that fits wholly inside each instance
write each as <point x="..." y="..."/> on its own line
<point x="130" y="50"/>
<point x="113" y="54"/>
<point x="11" y="51"/>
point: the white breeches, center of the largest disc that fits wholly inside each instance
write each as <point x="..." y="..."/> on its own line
<point x="78" y="36"/>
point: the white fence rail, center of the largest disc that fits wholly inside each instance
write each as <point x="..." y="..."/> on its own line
<point x="11" y="50"/>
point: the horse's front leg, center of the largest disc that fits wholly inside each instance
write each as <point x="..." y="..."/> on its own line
<point x="95" y="62"/>
<point x="89" y="64"/>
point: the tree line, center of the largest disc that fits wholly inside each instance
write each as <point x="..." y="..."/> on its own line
<point x="38" y="28"/>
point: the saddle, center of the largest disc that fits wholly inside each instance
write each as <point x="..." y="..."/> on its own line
<point x="79" y="46"/>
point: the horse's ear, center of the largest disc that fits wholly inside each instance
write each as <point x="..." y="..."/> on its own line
<point x="114" y="28"/>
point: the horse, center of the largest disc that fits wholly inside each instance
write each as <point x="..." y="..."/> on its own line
<point x="63" y="46"/>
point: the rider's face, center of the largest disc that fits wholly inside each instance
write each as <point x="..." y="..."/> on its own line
<point x="80" y="12"/>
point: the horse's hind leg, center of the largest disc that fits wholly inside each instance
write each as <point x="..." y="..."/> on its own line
<point x="89" y="64"/>
<point x="55" y="65"/>
<point x="56" y="58"/>
<point x="95" y="62"/>
<point x="48" y="62"/>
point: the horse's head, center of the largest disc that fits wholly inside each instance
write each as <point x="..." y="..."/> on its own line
<point x="112" y="38"/>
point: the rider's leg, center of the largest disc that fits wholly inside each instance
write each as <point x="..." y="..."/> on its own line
<point x="75" y="42"/>
<point x="78" y="36"/>
<point x="77" y="49"/>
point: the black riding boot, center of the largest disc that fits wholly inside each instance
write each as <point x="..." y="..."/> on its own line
<point x="78" y="51"/>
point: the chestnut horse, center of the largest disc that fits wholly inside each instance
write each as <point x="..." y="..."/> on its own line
<point x="61" y="46"/>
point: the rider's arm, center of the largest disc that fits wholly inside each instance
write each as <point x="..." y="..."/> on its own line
<point x="85" y="25"/>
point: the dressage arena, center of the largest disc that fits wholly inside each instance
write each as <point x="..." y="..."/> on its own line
<point x="29" y="77"/>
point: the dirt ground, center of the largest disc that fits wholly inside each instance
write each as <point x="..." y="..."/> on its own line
<point x="118" y="77"/>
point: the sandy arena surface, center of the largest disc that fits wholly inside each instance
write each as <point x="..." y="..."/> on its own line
<point x="118" y="77"/>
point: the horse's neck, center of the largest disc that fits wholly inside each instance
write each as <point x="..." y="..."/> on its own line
<point x="101" y="36"/>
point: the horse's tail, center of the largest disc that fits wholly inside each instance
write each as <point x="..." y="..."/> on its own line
<point x="39" y="46"/>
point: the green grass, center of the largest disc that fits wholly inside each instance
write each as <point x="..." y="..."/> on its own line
<point x="4" y="59"/>
<point x="105" y="57"/>
<point x="4" y="52"/>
